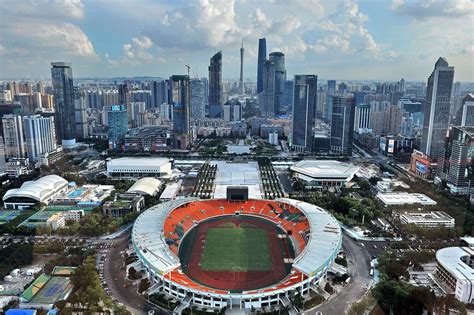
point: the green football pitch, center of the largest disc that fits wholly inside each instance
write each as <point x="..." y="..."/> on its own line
<point x="236" y="249"/>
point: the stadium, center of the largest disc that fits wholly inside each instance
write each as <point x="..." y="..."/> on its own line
<point x="225" y="254"/>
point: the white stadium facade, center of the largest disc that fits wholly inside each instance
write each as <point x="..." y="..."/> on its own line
<point x="316" y="237"/>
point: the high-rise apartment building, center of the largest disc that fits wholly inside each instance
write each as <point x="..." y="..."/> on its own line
<point x="180" y="96"/>
<point x="159" y="93"/>
<point x="437" y="106"/>
<point x="80" y="107"/>
<point x="198" y="99"/>
<point x="232" y="111"/>
<point x="13" y="136"/>
<point x="342" y="125"/>
<point x="304" y="109"/>
<point x="262" y="57"/>
<point x="216" y="99"/>
<point x="362" y="118"/>
<point x="61" y="74"/>
<point x="3" y="166"/>
<point x="456" y="160"/>
<point x="40" y="135"/>
<point x="331" y="86"/>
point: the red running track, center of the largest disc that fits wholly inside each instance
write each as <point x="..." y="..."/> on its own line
<point x="238" y="281"/>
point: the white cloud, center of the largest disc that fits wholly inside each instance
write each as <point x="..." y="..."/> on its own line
<point x="137" y="51"/>
<point x="342" y="32"/>
<point x="421" y="9"/>
<point x="198" y="24"/>
<point x="37" y="32"/>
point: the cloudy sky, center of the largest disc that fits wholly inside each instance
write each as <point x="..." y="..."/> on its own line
<point x="348" y="39"/>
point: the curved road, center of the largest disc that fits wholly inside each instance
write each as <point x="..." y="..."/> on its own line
<point x="358" y="260"/>
<point x="124" y="290"/>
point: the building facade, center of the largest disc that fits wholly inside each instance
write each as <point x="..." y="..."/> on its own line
<point x="198" y="99"/>
<point x="61" y="74"/>
<point x="342" y="125"/>
<point x="437" y="108"/>
<point x="304" y="108"/>
<point x="13" y="136"/>
<point x="117" y="120"/>
<point x="216" y="99"/>
<point x="456" y="161"/>
<point x="180" y="96"/>
<point x="262" y="57"/>
<point x="40" y="135"/>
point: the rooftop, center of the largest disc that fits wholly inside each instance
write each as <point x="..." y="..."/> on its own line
<point x="403" y="198"/>
<point x="452" y="258"/>
<point x="325" y="168"/>
<point x="237" y="174"/>
<point x="138" y="161"/>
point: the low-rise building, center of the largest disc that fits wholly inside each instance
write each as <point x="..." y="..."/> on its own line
<point x="130" y="167"/>
<point x="170" y="192"/>
<point x="428" y="219"/>
<point x="123" y="204"/>
<point x="404" y="198"/>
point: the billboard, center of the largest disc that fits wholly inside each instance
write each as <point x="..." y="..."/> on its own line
<point x="391" y="146"/>
<point x="420" y="167"/>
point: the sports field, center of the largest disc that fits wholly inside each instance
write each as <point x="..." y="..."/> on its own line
<point x="54" y="289"/>
<point x="235" y="253"/>
<point x="236" y="249"/>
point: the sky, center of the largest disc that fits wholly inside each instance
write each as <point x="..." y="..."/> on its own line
<point x="334" y="39"/>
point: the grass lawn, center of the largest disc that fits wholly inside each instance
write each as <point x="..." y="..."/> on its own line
<point x="236" y="249"/>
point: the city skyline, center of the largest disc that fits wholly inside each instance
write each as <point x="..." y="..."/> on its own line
<point x="387" y="39"/>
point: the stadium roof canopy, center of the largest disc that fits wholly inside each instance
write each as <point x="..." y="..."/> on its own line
<point x="325" y="169"/>
<point x="454" y="260"/>
<point x="146" y="186"/>
<point x="325" y="237"/>
<point x="40" y="190"/>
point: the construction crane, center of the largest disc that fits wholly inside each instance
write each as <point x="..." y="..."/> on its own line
<point x="189" y="67"/>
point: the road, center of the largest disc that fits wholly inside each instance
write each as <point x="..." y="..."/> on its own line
<point x="125" y="291"/>
<point x="358" y="268"/>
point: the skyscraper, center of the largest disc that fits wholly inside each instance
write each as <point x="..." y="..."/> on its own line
<point x="304" y="109"/>
<point x="180" y="96"/>
<point x="80" y="107"/>
<point x="438" y="97"/>
<point x="362" y="118"/>
<point x="271" y="100"/>
<point x="61" y="74"/>
<point x="40" y="135"/>
<point x="198" y="99"/>
<point x="465" y="114"/>
<point x="159" y="93"/>
<point x="3" y="166"/>
<point x="456" y="161"/>
<point x="278" y="58"/>
<point x="331" y="86"/>
<point x="241" y="81"/>
<point x="117" y="120"/>
<point x="266" y="98"/>
<point x="342" y="125"/>
<point x="13" y="136"/>
<point x="215" y="85"/>
<point x="262" y="57"/>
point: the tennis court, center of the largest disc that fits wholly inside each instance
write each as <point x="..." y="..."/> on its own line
<point x="53" y="290"/>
